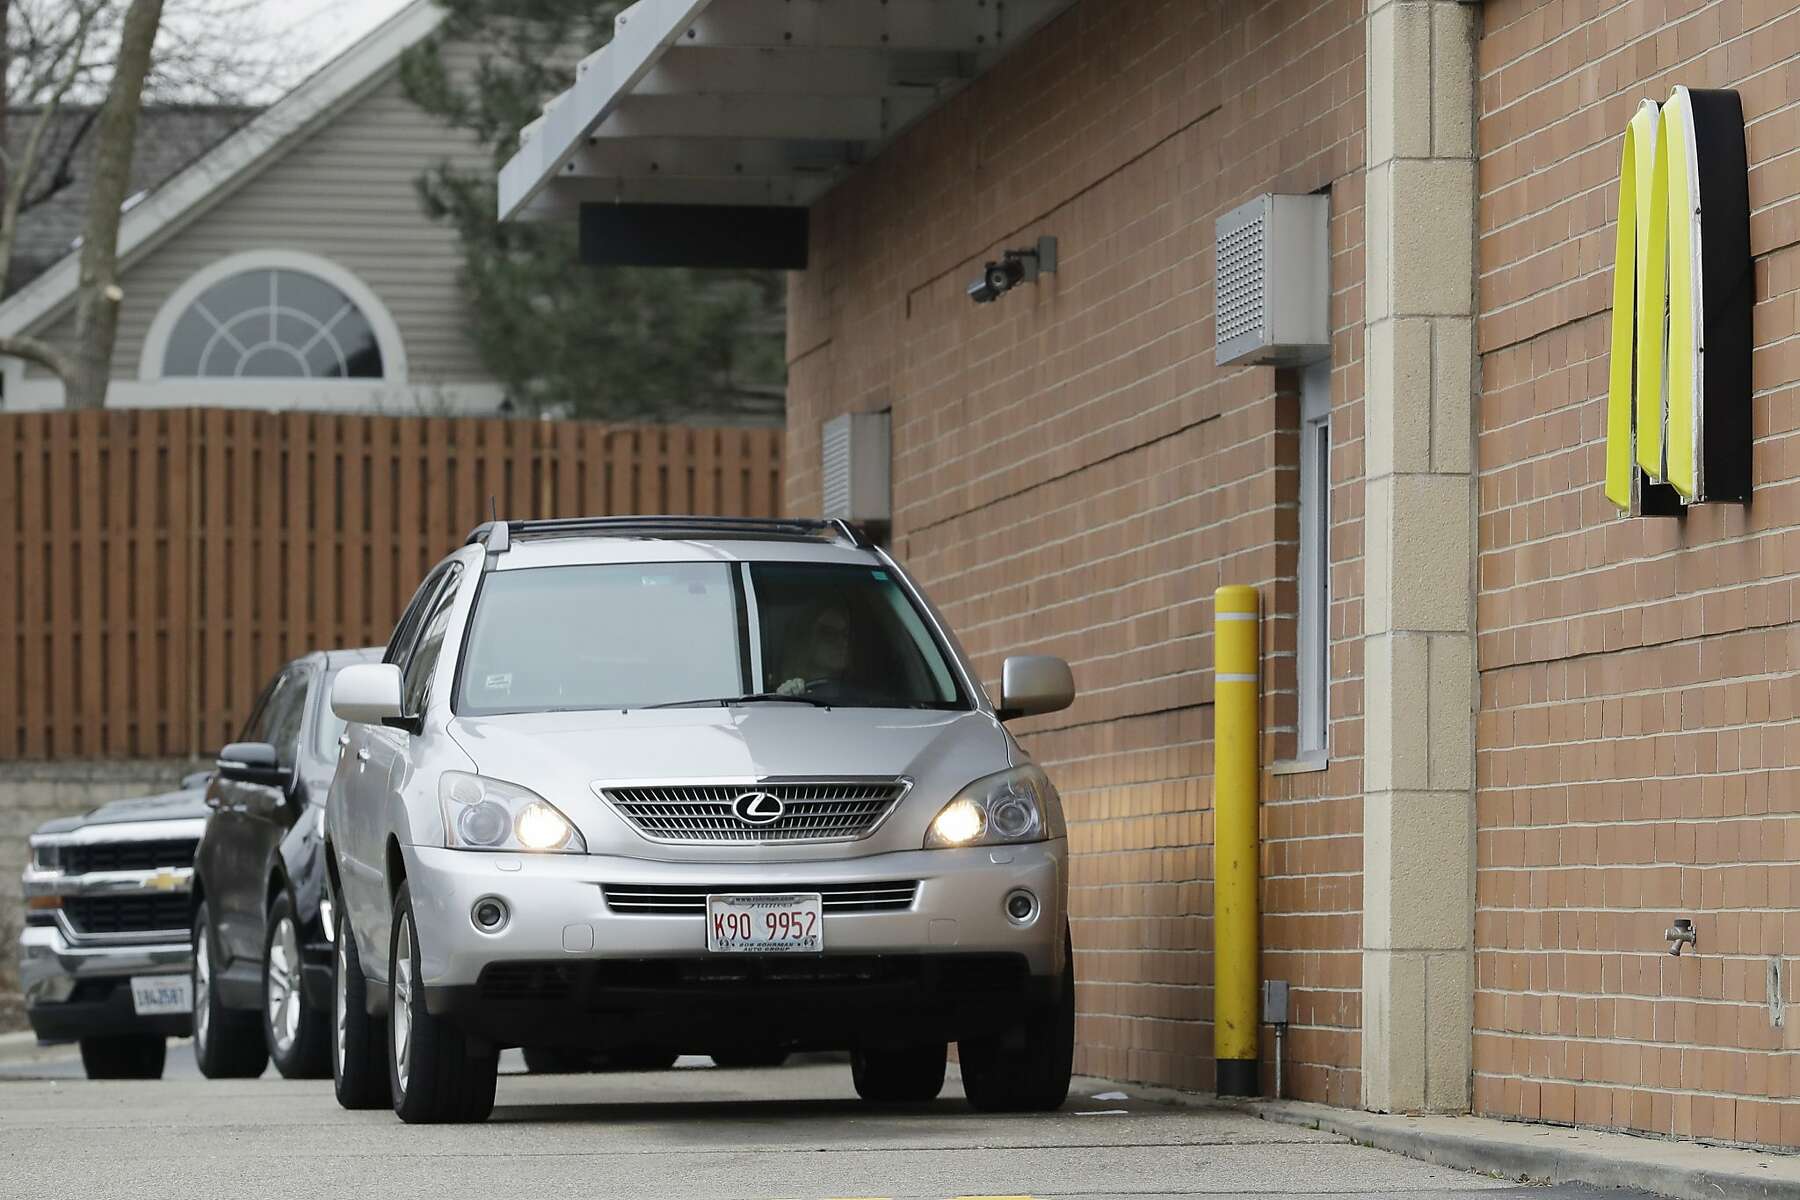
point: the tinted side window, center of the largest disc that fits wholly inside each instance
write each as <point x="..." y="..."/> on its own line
<point x="424" y="655"/>
<point x="287" y="710"/>
<point x="259" y="712"/>
<point x="409" y="620"/>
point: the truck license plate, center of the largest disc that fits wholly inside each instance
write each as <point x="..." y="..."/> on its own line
<point x="154" y="995"/>
<point x="784" y="924"/>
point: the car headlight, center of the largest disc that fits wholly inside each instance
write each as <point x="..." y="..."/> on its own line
<point x="490" y="814"/>
<point x="1019" y="805"/>
<point x="45" y="857"/>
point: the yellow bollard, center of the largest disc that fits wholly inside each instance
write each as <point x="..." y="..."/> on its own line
<point x="1236" y="780"/>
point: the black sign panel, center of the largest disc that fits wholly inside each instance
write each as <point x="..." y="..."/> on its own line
<point x="694" y="235"/>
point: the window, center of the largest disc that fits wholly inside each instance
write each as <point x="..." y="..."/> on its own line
<point x="635" y="635"/>
<point x="273" y="323"/>
<point x="424" y="656"/>
<point x="1313" y="649"/>
<point x="286" y="711"/>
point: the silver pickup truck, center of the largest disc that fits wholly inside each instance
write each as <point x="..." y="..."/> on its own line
<point x="104" y="957"/>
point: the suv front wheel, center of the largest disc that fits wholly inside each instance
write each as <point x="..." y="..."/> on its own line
<point x="296" y="1034"/>
<point x="437" y="1075"/>
<point x="1031" y="1075"/>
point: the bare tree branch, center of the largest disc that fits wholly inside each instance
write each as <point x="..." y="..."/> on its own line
<point x="40" y="352"/>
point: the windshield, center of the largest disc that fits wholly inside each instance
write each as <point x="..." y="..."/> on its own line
<point x="633" y="635"/>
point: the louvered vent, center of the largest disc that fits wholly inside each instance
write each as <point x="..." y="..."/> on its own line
<point x="1241" y="281"/>
<point x="854" y="467"/>
<point x="836" y="468"/>
<point x="1272" y="282"/>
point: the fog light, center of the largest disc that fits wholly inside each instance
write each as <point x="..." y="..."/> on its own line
<point x="1021" y="906"/>
<point x="489" y="914"/>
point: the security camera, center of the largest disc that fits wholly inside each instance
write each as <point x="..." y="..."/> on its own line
<point x="981" y="292"/>
<point x="1013" y="268"/>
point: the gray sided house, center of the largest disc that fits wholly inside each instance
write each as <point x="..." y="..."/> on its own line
<point x="287" y="264"/>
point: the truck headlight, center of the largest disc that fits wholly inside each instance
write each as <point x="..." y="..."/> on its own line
<point x="491" y="814"/>
<point x="45" y="857"/>
<point x="1020" y="805"/>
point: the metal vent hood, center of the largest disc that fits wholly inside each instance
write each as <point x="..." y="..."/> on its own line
<point x="750" y="103"/>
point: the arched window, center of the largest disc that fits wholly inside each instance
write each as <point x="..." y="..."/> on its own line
<point x="273" y="323"/>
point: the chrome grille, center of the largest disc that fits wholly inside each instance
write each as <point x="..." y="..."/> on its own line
<point x="677" y="899"/>
<point x="91" y="915"/>
<point x="814" y="810"/>
<point x="82" y="858"/>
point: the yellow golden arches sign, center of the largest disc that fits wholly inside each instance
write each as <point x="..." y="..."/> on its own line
<point x="1678" y="391"/>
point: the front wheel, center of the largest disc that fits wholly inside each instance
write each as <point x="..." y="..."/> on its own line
<point x="1032" y="1076"/>
<point x="298" y="1037"/>
<point x="128" y="1056"/>
<point x="227" y="1043"/>
<point x="438" y="1076"/>
<point x="359" y="1073"/>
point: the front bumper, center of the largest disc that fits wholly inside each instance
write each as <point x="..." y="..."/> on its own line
<point x="76" y="991"/>
<point x="559" y="908"/>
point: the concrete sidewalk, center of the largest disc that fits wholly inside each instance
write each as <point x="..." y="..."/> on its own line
<point x="1536" y="1154"/>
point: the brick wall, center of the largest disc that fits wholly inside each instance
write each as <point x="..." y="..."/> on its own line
<point x="1639" y="739"/>
<point x="1073" y="475"/>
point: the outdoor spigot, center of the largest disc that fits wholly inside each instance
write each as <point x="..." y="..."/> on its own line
<point x="1681" y="934"/>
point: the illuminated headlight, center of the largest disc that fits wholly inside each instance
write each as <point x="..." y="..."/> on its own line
<point x="489" y="814"/>
<point x="1019" y="805"/>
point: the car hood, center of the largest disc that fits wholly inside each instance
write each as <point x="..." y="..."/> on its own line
<point x="562" y="756"/>
<point x="166" y="806"/>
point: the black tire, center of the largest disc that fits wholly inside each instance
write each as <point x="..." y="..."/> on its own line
<point x="438" y="1075"/>
<point x="1034" y="1077"/>
<point x="909" y="1076"/>
<point x="126" y="1056"/>
<point x="228" y="1044"/>
<point x="766" y="1056"/>
<point x="298" y="1036"/>
<point x="553" y="1060"/>
<point x="358" y="1046"/>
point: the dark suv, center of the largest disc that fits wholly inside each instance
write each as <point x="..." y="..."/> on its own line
<point x="262" y="925"/>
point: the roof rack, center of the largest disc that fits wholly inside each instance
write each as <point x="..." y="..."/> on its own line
<point x="497" y="536"/>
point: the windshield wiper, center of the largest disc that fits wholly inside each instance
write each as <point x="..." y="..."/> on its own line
<point x="751" y="698"/>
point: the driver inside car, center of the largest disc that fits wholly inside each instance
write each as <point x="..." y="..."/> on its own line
<point x="819" y="654"/>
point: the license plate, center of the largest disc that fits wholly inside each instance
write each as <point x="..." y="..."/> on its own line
<point x="786" y="924"/>
<point x="153" y="995"/>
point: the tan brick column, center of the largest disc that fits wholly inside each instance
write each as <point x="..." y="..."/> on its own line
<point x="1419" y="615"/>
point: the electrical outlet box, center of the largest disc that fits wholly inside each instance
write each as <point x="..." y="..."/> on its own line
<point x="1275" y="1002"/>
<point x="1272" y="282"/>
<point x="855" y="461"/>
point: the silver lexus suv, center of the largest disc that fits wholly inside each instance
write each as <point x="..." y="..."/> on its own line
<point x="653" y="785"/>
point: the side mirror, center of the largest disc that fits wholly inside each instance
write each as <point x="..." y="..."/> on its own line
<point x="252" y="762"/>
<point x="1034" y="683"/>
<point x="368" y="693"/>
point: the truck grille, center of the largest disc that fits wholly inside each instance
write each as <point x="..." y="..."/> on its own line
<point x="89" y="915"/>
<point x="126" y="856"/>
<point x="841" y="810"/>
<point x="833" y="897"/>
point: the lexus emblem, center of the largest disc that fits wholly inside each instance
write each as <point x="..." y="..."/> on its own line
<point x="758" y="808"/>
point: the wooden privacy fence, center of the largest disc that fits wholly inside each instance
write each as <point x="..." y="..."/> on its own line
<point x="159" y="564"/>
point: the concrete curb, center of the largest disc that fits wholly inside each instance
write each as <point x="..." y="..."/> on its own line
<point x="1553" y="1154"/>
<point x="1549" y="1154"/>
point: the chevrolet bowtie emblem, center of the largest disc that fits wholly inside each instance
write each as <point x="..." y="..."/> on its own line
<point x="166" y="880"/>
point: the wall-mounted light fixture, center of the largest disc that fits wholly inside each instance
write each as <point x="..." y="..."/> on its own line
<point x="1012" y="268"/>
